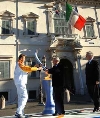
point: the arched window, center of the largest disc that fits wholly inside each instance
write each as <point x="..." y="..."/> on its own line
<point x="60" y="24"/>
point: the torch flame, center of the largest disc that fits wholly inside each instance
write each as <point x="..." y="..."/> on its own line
<point x="47" y="77"/>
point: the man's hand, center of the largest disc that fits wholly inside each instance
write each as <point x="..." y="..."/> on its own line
<point x="97" y="82"/>
<point x="46" y="71"/>
<point x="40" y="68"/>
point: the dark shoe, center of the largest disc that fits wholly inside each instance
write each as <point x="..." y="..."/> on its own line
<point x="62" y="113"/>
<point x="19" y="115"/>
<point x="55" y="114"/>
<point x="95" y="109"/>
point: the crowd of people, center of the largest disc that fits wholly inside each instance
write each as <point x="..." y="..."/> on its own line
<point x="20" y="80"/>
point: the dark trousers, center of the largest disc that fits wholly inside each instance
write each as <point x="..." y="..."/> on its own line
<point x="93" y="91"/>
<point x="59" y="99"/>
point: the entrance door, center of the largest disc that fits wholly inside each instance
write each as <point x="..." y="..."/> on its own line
<point x="68" y="75"/>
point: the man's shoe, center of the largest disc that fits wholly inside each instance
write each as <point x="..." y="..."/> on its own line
<point x="19" y="115"/>
<point x="55" y="114"/>
<point x="95" y="109"/>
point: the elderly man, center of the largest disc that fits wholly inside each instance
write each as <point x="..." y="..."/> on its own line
<point x="92" y="79"/>
<point x="58" y="85"/>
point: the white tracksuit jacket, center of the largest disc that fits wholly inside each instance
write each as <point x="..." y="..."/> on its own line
<point x="20" y="80"/>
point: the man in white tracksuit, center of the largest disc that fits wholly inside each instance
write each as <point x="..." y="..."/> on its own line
<point x="20" y="80"/>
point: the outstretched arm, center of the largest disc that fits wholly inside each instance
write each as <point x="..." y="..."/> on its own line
<point x="28" y="68"/>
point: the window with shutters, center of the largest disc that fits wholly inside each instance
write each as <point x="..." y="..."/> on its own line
<point x="6" y="22"/>
<point x="60" y="24"/>
<point x="30" y="23"/>
<point x="6" y="27"/>
<point x="31" y="28"/>
<point x="4" y="69"/>
<point x="89" y="29"/>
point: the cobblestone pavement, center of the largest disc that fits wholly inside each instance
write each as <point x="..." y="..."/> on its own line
<point x="74" y="113"/>
<point x="78" y="107"/>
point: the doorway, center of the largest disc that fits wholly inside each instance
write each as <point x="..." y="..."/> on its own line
<point x="68" y="75"/>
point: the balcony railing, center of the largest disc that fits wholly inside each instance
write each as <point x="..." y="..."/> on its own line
<point x="72" y="38"/>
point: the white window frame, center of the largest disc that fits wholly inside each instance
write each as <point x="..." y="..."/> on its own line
<point x="10" y="29"/>
<point x="2" y="78"/>
<point x="65" y="26"/>
<point x="26" y="28"/>
<point x="5" y="16"/>
<point x="31" y="17"/>
<point x="89" y="24"/>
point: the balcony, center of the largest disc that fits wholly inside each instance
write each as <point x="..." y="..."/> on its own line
<point x="66" y="40"/>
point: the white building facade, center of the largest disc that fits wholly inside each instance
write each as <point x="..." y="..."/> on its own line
<point x="27" y="26"/>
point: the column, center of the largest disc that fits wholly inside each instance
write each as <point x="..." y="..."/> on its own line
<point x="96" y="16"/>
<point x="49" y="17"/>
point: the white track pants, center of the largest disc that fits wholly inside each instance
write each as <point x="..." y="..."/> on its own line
<point x="22" y="98"/>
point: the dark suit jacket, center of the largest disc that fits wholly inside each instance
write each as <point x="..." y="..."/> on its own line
<point x="92" y="72"/>
<point x="57" y="75"/>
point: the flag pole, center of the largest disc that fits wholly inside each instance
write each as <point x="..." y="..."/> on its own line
<point x="66" y="1"/>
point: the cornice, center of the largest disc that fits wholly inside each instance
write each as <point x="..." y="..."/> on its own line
<point x="78" y="2"/>
<point x="6" y="14"/>
<point x="49" y="5"/>
<point x="85" y="2"/>
<point x="30" y="15"/>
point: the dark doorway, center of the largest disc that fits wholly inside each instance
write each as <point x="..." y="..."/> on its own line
<point x="68" y="75"/>
<point x="5" y="94"/>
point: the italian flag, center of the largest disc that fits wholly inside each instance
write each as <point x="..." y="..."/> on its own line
<point x="74" y="19"/>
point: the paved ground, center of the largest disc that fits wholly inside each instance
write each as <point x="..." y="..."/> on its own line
<point x="73" y="113"/>
<point x="79" y="107"/>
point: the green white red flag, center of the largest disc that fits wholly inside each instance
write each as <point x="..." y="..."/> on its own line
<point x="74" y="18"/>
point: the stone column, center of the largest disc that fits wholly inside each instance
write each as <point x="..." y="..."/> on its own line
<point x="96" y="16"/>
<point x="49" y="18"/>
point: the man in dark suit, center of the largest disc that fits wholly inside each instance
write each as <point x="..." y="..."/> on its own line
<point x="57" y="83"/>
<point x="92" y="79"/>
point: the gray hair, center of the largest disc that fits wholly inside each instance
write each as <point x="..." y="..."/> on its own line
<point x="56" y="58"/>
<point x="89" y="53"/>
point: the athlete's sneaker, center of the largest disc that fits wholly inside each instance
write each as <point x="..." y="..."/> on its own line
<point x="20" y="115"/>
